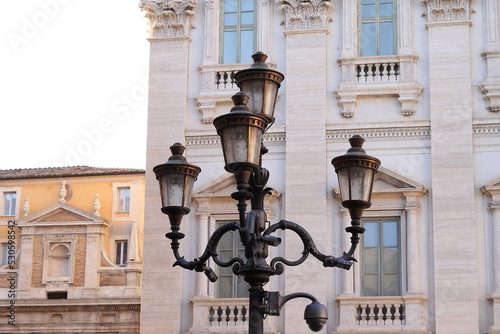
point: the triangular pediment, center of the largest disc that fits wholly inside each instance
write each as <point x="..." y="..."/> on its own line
<point x="224" y="185"/>
<point x="387" y="179"/>
<point x="492" y="187"/>
<point x="61" y="213"/>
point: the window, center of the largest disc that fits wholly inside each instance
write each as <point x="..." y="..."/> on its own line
<point x="121" y="252"/>
<point x="238" y="31"/>
<point x="377" y="31"/>
<point x="124" y="199"/>
<point x="5" y="254"/>
<point x="380" y="254"/>
<point x="57" y="295"/>
<point x="59" y="260"/>
<point x="230" y="285"/>
<point x="9" y="204"/>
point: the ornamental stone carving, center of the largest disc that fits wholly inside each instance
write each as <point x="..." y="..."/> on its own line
<point x="448" y="10"/>
<point x="169" y="18"/>
<point x="305" y="14"/>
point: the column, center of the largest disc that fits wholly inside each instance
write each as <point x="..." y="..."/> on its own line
<point x="455" y="257"/>
<point x="491" y="85"/>
<point x="495" y="296"/>
<point x="306" y="161"/>
<point x="412" y="209"/>
<point x="414" y="297"/>
<point x="202" y="215"/>
<point x="170" y="23"/>
<point x="25" y="265"/>
<point x="92" y="262"/>
<point x="347" y="275"/>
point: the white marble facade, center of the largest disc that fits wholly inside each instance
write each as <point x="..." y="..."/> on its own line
<point x="429" y="113"/>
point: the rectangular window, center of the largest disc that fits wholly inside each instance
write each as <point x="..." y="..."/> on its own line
<point x="57" y="295"/>
<point x="229" y="285"/>
<point x="5" y="254"/>
<point x="238" y="31"/>
<point x="121" y="252"/>
<point x="124" y="199"/>
<point x="377" y="27"/>
<point x="380" y="256"/>
<point x="9" y="204"/>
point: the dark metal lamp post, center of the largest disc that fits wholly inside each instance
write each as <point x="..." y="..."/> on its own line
<point x="241" y="132"/>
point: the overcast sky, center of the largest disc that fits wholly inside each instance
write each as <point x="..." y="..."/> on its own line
<point x="73" y="83"/>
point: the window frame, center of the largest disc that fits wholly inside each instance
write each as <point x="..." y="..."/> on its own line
<point x="377" y="20"/>
<point x="237" y="247"/>
<point x="4" y="246"/>
<point x="123" y="207"/>
<point x="12" y="206"/>
<point x="121" y="252"/>
<point x="400" y="254"/>
<point x="238" y="28"/>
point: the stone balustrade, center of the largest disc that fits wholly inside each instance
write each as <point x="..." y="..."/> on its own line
<point x="223" y="315"/>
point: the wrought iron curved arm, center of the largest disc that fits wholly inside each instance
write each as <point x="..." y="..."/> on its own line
<point x="199" y="264"/>
<point x="345" y="261"/>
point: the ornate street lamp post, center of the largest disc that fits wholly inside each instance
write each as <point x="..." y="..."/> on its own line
<point x="241" y="132"/>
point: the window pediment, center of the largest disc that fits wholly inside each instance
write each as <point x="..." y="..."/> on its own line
<point x="61" y="214"/>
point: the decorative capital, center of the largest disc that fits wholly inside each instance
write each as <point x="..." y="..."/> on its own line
<point x="169" y="18"/>
<point x="305" y="14"/>
<point x="448" y="10"/>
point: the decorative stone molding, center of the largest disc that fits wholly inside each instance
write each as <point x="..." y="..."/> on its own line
<point x="491" y="85"/>
<point x="448" y="10"/>
<point x="486" y="129"/>
<point x="270" y="137"/>
<point x="305" y="14"/>
<point x="169" y="18"/>
<point x="385" y="132"/>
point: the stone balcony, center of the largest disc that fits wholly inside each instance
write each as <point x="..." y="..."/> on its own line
<point x="382" y="75"/>
<point x="381" y="315"/>
<point x="224" y="315"/>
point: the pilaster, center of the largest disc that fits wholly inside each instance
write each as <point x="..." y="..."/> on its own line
<point x="305" y="24"/>
<point x="493" y="190"/>
<point x="202" y="216"/>
<point x="170" y="23"/>
<point x="455" y="266"/>
<point x="491" y="84"/>
<point x="25" y="265"/>
<point x="92" y="261"/>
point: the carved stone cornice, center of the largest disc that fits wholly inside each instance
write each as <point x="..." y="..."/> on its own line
<point x="169" y="18"/>
<point x="305" y="14"/>
<point x="448" y="10"/>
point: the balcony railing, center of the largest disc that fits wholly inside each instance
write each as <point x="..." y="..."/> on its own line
<point x="225" y="315"/>
<point x="377" y="72"/>
<point x="382" y="314"/>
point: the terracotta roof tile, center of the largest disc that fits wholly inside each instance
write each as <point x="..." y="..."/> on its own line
<point x="35" y="173"/>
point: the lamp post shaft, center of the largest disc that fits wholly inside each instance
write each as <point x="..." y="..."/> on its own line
<point x="256" y="319"/>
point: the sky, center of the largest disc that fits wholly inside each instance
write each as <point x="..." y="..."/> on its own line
<point x="73" y="83"/>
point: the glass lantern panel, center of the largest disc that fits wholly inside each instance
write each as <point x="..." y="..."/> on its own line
<point x="176" y="189"/>
<point x="262" y="95"/>
<point x="241" y="143"/>
<point x="360" y="183"/>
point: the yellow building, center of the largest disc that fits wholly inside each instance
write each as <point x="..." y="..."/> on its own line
<point x="71" y="243"/>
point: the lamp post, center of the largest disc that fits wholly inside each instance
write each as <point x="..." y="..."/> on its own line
<point x="241" y="132"/>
